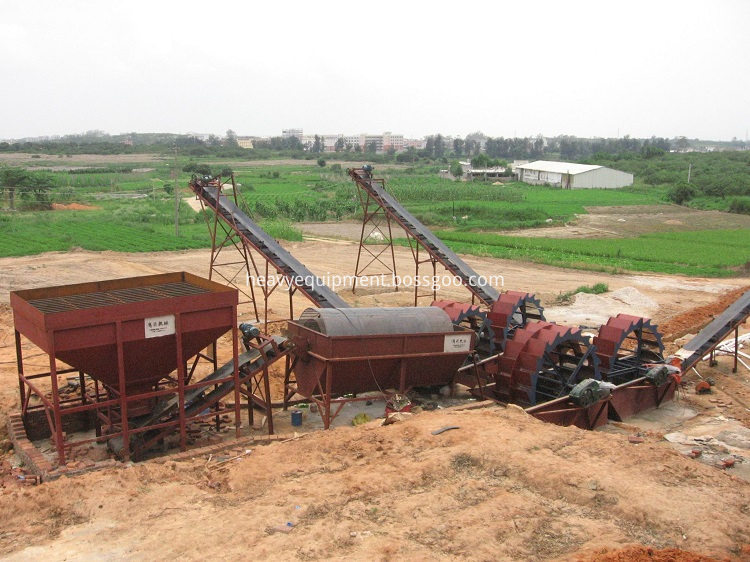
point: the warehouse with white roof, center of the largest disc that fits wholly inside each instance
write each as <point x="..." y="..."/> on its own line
<point x="569" y="175"/>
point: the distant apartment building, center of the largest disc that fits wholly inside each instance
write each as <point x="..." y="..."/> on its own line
<point x="418" y="144"/>
<point x="246" y="142"/>
<point x="393" y="142"/>
<point x="382" y="142"/>
<point x="354" y="140"/>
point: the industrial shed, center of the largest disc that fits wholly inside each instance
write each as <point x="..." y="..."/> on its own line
<point x="569" y="175"/>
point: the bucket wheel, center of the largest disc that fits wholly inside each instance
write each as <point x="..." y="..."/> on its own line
<point x="470" y="316"/>
<point x="625" y="345"/>
<point x="544" y="361"/>
<point x="513" y="310"/>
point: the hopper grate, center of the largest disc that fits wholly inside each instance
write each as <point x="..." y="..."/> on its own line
<point x="115" y="297"/>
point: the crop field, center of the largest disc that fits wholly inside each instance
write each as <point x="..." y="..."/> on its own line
<point x="704" y="253"/>
<point x="132" y="209"/>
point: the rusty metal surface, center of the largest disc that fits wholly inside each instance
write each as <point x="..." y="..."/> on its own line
<point x="78" y="323"/>
<point x="471" y="316"/>
<point x="625" y="401"/>
<point x="625" y="345"/>
<point x="544" y="361"/>
<point x="513" y="310"/>
<point x="129" y="336"/>
<point x="378" y="362"/>
<point x="423" y="237"/>
<point x="326" y="367"/>
<point x="82" y="301"/>
<point x="563" y="412"/>
<point x="638" y="395"/>
<point x="376" y="321"/>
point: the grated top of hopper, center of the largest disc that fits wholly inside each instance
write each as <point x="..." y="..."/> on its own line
<point x="115" y="297"/>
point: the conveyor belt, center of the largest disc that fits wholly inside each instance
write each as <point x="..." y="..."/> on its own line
<point x="199" y="399"/>
<point x="436" y="247"/>
<point x="713" y="334"/>
<point x="287" y="265"/>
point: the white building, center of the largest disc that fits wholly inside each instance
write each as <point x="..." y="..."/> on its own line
<point x="286" y="133"/>
<point x="569" y="175"/>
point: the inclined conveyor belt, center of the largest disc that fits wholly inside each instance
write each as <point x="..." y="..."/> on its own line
<point x="713" y="334"/>
<point x="436" y="247"/>
<point x="287" y="265"/>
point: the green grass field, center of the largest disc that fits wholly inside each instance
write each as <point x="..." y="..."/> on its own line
<point x="134" y="213"/>
<point x="130" y="226"/>
<point x="709" y="253"/>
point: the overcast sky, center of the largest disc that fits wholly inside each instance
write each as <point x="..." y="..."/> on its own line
<point x="603" y="68"/>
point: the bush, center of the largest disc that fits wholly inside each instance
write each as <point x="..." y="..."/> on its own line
<point x="200" y="169"/>
<point x="681" y="193"/>
<point x="598" y="289"/>
<point x="740" y="205"/>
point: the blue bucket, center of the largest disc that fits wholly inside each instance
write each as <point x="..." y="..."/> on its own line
<point x="296" y="418"/>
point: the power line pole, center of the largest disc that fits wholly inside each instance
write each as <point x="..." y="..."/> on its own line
<point x="176" y="194"/>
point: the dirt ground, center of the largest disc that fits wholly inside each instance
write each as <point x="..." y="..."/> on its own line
<point x="635" y="220"/>
<point x="17" y="158"/>
<point x="599" y="222"/>
<point x="502" y="486"/>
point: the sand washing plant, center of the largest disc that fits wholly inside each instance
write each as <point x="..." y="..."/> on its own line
<point x="135" y="344"/>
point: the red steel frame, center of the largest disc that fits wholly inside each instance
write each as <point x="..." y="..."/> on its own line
<point x="109" y="403"/>
<point x="374" y="215"/>
<point x="222" y="236"/>
<point x="419" y="359"/>
<point x="414" y="244"/>
<point x="376" y="218"/>
<point x="110" y="399"/>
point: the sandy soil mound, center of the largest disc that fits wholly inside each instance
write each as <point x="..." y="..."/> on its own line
<point x="594" y="310"/>
<point x="693" y="320"/>
<point x="73" y="207"/>
<point x="501" y="486"/>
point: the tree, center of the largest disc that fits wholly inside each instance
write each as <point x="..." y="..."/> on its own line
<point x="480" y="161"/>
<point x="232" y="139"/>
<point x="317" y="146"/>
<point x="339" y="146"/>
<point x="458" y="146"/>
<point x="410" y="155"/>
<point x="439" y="146"/>
<point x="195" y="168"/>
<point x="457" y="170"/>
<point x="372" y="147"/>
<point x="682" y="143"/>
<point x="429" y="147"/>
<point x="33" y="187"/>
